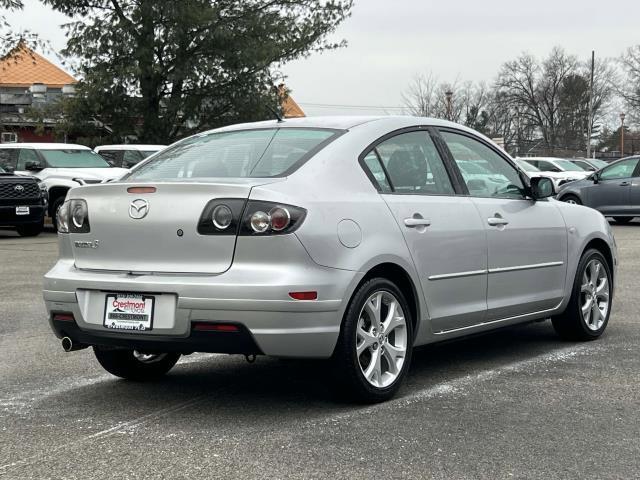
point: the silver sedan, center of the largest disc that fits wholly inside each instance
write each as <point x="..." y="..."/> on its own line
<point x="350" y="239"/>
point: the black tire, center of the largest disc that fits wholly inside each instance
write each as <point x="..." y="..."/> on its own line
<point x="123" y="364"/>
<point x="570" y="325"/>
<point x="623" y="220"/>
<point x="54" y="211"/>
<point x="347" y="368"/>
<point x="572" y="199"/>
<point x="31" y="230"/>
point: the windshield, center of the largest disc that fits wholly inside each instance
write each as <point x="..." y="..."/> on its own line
<point x="526" y="166"/>
<point x="147" y="153"/>
<point x="2" y="170"/>
<point x="247" y="153"/>
<point x="598" y="163"/>
<point x="74" y="159"/>
<point x="568" y="166"/>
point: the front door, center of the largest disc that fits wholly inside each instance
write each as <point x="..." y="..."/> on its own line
<point x="527" y="240"/>
<point x="611" y="194"/>
<point x="443" y="231"/>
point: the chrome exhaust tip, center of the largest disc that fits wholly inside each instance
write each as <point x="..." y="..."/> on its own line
<point x="67" y="344"/>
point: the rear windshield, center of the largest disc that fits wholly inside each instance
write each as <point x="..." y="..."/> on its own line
<point x="246" y="153"/>
<point x="74" y="159"/>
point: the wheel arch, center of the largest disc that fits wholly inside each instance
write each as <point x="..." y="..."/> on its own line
<point x="603" y="247"/>
<point x="55" y="193"/>
<point x="400" y="277"/>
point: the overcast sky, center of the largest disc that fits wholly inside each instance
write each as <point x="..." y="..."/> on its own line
<point x="390" y="41"/>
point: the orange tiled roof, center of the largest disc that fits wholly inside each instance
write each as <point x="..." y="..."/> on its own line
<point x="290" y="108"/>
<point x="22" y="67"/>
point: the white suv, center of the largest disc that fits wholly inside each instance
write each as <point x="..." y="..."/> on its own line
<point x="60" y="166"/>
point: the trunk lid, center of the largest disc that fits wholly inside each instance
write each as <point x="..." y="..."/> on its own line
<point x="152" y="243"/>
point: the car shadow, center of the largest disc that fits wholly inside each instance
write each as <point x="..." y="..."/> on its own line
<point x="240" y="392"/>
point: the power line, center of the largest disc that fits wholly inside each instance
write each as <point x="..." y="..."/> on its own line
<point x="331" y="105"/>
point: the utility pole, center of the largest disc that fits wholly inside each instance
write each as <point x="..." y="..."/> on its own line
<point x="590" y="118"/>
<point x="448" y="96"/>
<point x="622" y="115"/>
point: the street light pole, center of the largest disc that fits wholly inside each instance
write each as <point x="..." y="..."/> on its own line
<point x="449" y="95"/>
<point x="622" y="115"/>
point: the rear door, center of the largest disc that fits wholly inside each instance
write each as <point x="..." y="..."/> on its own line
<point x="442" y="230"/>
<point x="527" y="240"/>
<point x="611" y="195"/>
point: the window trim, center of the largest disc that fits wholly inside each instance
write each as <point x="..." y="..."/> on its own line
<point x="429" y="131"/>
<point x="523" y="177"/>
<point x="293" y="168"/>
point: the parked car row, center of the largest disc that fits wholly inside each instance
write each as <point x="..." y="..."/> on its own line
<point x="59" y="167"/>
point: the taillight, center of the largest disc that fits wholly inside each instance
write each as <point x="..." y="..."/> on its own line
<point x="232" y="216"/>
<point x="73" y="217"/>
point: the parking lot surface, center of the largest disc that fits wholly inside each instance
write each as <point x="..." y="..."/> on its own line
<point x="517" y="403"/>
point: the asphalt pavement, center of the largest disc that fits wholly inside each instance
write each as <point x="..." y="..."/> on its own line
<point x="516" y="403"/>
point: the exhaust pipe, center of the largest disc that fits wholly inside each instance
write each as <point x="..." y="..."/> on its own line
<point x="69" y="346"/>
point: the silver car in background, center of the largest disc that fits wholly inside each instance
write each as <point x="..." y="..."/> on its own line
<point x="352" y="239"/>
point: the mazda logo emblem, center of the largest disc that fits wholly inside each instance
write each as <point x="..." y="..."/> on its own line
<point x="138" y="209"/>
<point x="19" y="188"/>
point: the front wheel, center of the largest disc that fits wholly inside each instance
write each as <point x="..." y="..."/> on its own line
<point x="587" y="314"/>
<point x="571" y="199"/>
<point x="134" y="365"/>
<point x="373" y="353"/>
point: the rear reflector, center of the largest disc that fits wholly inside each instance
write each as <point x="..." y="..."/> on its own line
<point x="215" y="327"/>
<point x="141" y="189"/>
<point x="63" y="317"/>
<point x="304" y="295"/>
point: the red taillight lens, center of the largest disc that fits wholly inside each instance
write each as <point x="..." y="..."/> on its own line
<point x="280" y="218"/>
<point x="215" y="327"/>
<point x="63" y="317"/>
<point x="304" y="295"/>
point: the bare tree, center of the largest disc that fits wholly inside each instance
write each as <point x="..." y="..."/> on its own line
<point x="420" y="97"/>
<point x="629" y="87"/>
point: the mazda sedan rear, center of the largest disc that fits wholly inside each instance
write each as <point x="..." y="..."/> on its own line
<point x="349" y="239"/>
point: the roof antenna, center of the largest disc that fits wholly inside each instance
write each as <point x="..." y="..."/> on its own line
<point x="275" y="113"/>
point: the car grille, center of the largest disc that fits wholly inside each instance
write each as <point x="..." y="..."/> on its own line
<point x="19" y="190"/>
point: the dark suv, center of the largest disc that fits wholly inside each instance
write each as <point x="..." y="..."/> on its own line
<point x="23" y="203"/>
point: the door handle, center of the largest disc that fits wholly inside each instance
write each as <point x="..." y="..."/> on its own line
<point x="497" y="221"/>
<point x="417" y="222"/>
<point x="624" y="184"/>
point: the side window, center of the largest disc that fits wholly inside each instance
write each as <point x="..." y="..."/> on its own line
<point x="375" y="169"/>
<point x="620" y="170"/>
<point x="414" y="165"/>
<point x="130" y="158"/>
<point x="114" y="157"/>
<point x="547" y="166"/>
<point x="8" y="158"/>
<point x="486" y="173"/>
<point x="26" y="155"/>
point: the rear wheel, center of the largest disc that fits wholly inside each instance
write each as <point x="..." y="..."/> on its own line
<point x="587" y="314"/>
<point x="31" y="230"/>
<point x="571" y="199"/>
<point x="623" y="219"/>
<point x="373" y="353"/>
<point x="134" y="365"/>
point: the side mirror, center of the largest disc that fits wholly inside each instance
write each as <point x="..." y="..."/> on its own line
<point x="542" y="187"/>
<point x="33" y="166"/>
<point x="595" y="177"/>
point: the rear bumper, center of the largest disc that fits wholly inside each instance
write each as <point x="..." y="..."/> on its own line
<point x="252" y="295"/>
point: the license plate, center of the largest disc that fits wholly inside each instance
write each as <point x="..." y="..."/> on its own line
<point x="22" y="210"/>
<point x="129" y="311"/>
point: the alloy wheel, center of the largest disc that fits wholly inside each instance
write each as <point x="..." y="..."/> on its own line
<point x="381" y="339"/>
<point x="594" y="295"/>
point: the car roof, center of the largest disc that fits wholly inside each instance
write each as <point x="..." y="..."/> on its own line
<point x="45" y="146"/>
<point x="130" y="147"/>
<point x="548" y="159"/>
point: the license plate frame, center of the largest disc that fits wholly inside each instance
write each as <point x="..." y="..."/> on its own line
<point x="23" y="210"/>
<point x="131" y="312"/>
